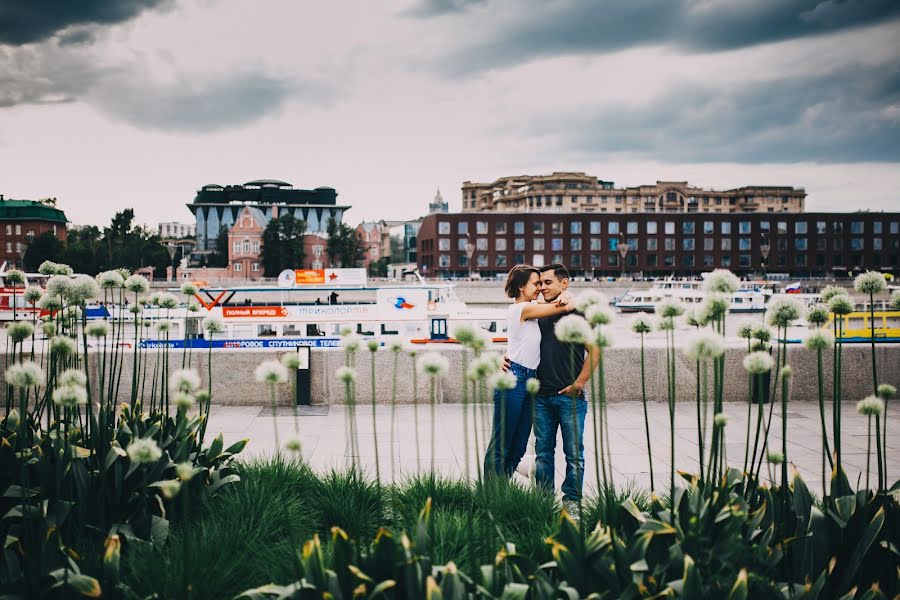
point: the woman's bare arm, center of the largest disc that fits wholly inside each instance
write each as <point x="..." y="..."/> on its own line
<point x="550" y="309"/>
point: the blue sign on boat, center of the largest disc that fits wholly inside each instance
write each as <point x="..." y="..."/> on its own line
<point x="317" y="342"/>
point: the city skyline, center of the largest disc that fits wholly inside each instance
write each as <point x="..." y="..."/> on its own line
<point x="140" y="104"/>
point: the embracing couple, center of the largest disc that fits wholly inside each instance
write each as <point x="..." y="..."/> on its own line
<point x="540" y="298"/>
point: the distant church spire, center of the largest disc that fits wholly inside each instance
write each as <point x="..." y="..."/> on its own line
<point x="438" y="205"/>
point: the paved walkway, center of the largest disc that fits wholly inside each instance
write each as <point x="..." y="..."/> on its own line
<point x="324" y="438"/>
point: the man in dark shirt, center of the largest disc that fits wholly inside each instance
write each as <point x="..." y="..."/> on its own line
<point x="560" y="403"/>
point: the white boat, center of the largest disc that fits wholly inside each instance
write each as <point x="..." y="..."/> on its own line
<point x="750" y="297"/>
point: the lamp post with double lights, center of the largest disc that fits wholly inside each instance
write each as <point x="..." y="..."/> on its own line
<point x="470" y="251"/>
<point x="764" y="248"/>
<point x="623" y="252"/>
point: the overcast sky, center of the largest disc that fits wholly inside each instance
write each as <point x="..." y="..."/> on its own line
<point x="110" y="104"/>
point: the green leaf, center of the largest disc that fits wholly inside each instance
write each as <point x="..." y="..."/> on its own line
<point x="515" y="591"/>
<point x="236" y="447"/>
<point x="693" y="586"/>
<point x="739" y="589"/>
<point x="84" y="585"/>
<point x="215" y="448"/>
<point x="862" y="548"/>
<point x="840" y="485"/>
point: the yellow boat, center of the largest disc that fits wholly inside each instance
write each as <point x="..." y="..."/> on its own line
<point x="856" y="326"/>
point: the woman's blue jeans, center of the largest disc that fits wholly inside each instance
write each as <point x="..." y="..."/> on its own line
<point x="512" y="425"/>
<point x="551" y="414"/>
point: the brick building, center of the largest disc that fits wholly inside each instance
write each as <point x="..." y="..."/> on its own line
<point x="23" y="220"/>
<point x="577" y="192"/>
<point x="799" y="244"/>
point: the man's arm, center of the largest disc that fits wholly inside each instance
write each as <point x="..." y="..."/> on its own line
<point x="589" y="366"/>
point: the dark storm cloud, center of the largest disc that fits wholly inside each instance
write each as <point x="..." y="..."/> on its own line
<point x="434" y="8"/>
<point x="77" y="37"/>
<point x="531" y="29"/>
<point x="26" y="21"/>
<point x="848" y="116"/>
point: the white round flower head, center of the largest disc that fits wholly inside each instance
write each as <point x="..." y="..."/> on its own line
<point x="346" y="374"/>
<point x="168" y="301"/>
<point x="787" y="372"/>
<point x="830" y="292"/>
<point x="33" y="294"/>
<point x="83" y="288"/>
<point x="758" y="362"/>
<point x="669" y="308"/>
<point x="188" y="288"/>
<point x="25" y="374"/>
<point x="271" y="372"/>
<point x="573" y="329"/>
<point x="14" y="277"/>
<point x="464" y="334"/>
<point x="373" y="345"/>
<point x="395" y="346"/>
<point x="58" y="285"/>
<point x="600" y="339"/>
<point x="110" y="280"/>
<point x="641" y="324"/>
<point x="722" y="281"/>
<point x="598" y="314"/>
<point x="532" y="386"/>
<point x="665" y="324"/>
<point x="745" y="328"/>
<point x="483" y="366"/>
<point x="146" y="323"/>
<point x="184" y="471"/>
<point x="70" y="396"/>
<point x="137" y="284"/>
<point x="715" y="306"/>
<point x="894" y="301"/>
<point x="19" y="330"/>
<point x="97" y="329"/>
<point x="291" y="361"/>
<point x="870" y="406"/>
<point x="819" y="339"/>
<point x="433" y="364"/>
<point x="125" y="273"/>
<point x="212" y="324"/>
<point x="345" y="331"/>
<point x="153" y="299"/>
<point x="503" y="381"/>
<point x="870" y="282"/>
<point x="48" y="267"/>
<point x="62" y="269"/>
<point x="589" y="298"/>
<point x="818" y="314"/>
<point x="169" y="488"/>
<point x="163" y="326"/>
<point x="695" y="317"/>
<point x="193" y="306"/>
<point x="49" y="329"/>
<point x="841" y="305"/>
<point x="185" y="380"/>
<point x="73" y="312"/>
<point x="774" y="457"/>
<point x="135" y="309"/>
<point x="886" y="390"/>
<point x="50" y="303"/>
<point x="784" y="311"/>
<point x="72" y="377"/>
<point x="293" y="445"/>
<point x="351" y="342"/>
<point x="183" y="400"/>
<point x="62" y="346"/>
<point x="203" y="397"/>
<point x="143" y="451"/>
<point x="720" y="420"/>
<point x="705" y="345"/>
<point x="760" y="346"/>
<point x="762" y="333"/>
<point x="479" y="342"/>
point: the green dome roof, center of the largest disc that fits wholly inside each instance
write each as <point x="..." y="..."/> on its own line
<point x="27" y="210"/>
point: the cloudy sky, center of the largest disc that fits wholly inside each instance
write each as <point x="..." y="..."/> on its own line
<point x="109" y="104"/>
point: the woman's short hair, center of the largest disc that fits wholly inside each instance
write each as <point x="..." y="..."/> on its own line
<point x="517" y="278"/>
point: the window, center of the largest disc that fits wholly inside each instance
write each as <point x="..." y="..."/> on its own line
<point x="444" y="244"/>
<point x="782" y="227"/>
<point x="781" y="244"/>
<point x="462" y="260"/>
<point x="537" y="260"/>
<point x="765" y="227"/>
<point x="800" y="244"/>
<point x="634" y="244"/>
<point x="595" y="260"/>
<point x="481" y="228"/>
<point x="501" y="260"/>
<point x="500" y="244"/>
<point x="743" y="243"/>
<point x="236" y="267"/>
<point x="9" y="246"/>
<point x="631" y="228"/>
<point x="18" y="229"/>
<point x="670" y="227"/>
<point x="557" y="258"/>
<point x="575" y="243"/>
<point x="537" y="228"/>
<point x="855" y="227"/>
<point x="726" y="227"/>
<point x="895" y="228"/>
<point x="800" y="260"/>
<point x="670" y="244"/>
<point x="856" y="243"/>
<point x="246" y="247"/>
<point x="876" y="243"/>
<point x="519" y="259"/>
<point x="708" y="260"/>
<point x="652" y="260"/>
<point x="876" y="227"/>
<point x="254" y="266"/>
<point x="838" y="244"/>
<point x="462" y="228"/>
<point x="687" y="228"/>
<point x="9" y="230"/>
<point x="837" y="227"/>
<point x="481" y="244"/>
<point x="596" y="228"/>
<point x="556" y="227"/>
<point x="687" y="260"/>
<point x="255" y="247"/>
<point x="652" y="244"/>
<point x="461" y="244"/>
<point x="612" y="228"/>
<point x="687" y="244"/>
<point x="444" y="228"/>
<point x="821" y="229"/>
<point x="556" y="244"/>
<point x="317" y="250"/>
<point x="743" y="227"/>
<point x="612" y="260"/>
<point x="612" y="244"/>
<point x="575" y="227"/>
<point x="821" y="244"/>
<point x="800" y="227"/>
<point x="575" y="260"/>
<point x="668" y="260"/>
<point x="236" y="248"/>
<point x="500" y="227"/>
<point x="709" y="227"/>
<point x="726" y="260"/>
<point x="744" y="260"/>
<point x="709" y="244"/>
<point x="651" y="227"/>
<point x="726" y="244"/>
<point x="519" y="244"/>
<point x="519" y="228"/>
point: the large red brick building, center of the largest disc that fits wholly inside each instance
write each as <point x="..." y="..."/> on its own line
<point x="24" y="220"/>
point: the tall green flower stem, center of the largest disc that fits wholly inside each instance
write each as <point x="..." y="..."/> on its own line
<point x="882" y="472"/>
<point x="415" y="385"/>
<point x="465" y="403"/>
<point x="396" y="353"/>
<point x="872" y="330"/>
<point x="826" y="450"/>
<point x="646" y="417"/>
<point x="670" y="390"/>
<point x="433" y="387"/>
<point x="837" y="391"/>
<point x="374" y="412"/>
<point x="749" y="413"/>
<point x="785" y="381"/>
<point x="597" y="443"/>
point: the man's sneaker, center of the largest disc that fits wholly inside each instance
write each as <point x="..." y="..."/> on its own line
<point x="571" y="507"/>
<point x="526" y="466"/>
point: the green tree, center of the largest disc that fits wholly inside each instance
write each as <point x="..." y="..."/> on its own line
<point x="282" y="245"/>
<point x="379" y="268"/>
<point x="85" y="250"/>
<point x="219" y="257"/>
<point x="343" y="248"/>
<point x="43" y="247"/>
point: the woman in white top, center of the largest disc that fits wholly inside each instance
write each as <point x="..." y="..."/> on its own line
<point x="512" y="408"/>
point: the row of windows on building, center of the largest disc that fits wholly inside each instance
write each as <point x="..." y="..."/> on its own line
<point x="18" y="230"/>
<point x="19" y="247"/>
<point x="652" y="227"/>
<point x="688" y="244"/>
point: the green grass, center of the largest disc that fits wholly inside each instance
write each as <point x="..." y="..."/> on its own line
<point x="250" y="534"/>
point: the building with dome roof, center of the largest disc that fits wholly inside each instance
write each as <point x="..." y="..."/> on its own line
<point x="21" y="221"/>
<point x="216" y="206"/>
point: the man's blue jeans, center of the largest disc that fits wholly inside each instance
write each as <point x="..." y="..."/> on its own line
<point x="512" y="425"/>
<point x="552" y="413"/>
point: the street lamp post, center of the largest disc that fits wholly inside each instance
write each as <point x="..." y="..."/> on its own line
<point x="764" y="249"/>
<point x="171" y="248"/>
<point x="470" y="251"/>
<point x="623" y="252"/>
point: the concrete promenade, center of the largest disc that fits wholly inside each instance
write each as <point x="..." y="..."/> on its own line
<point x="323" y="434"/>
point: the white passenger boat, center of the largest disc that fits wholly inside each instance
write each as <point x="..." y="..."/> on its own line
<point x="750" y="297"/>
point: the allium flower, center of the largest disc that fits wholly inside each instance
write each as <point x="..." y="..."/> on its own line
<point x="695" y="317"/>
<point x="109" y="280"/>
<point x="784" y="311"/>
<point x="641" y="324"/>
<point x="143" y="451"/>
<point x="433" y="364"/>
<point x="188" y="288"/>
<point x="50" y="303"/>
<point x="715" y="306"/>
<point x="758" y="362"/>
<point x="62" y="346"/>
<point x="70" y="396"/>
<point x="464" y="334"/>
<point x="589" y="298"/>
<point x="598" y="314"/>
<point x="841" y="305"/>
<point x="193" y="306"/>
<point x="97" y="329"/>
<point x="184" y="471"/>
<point x="169" y="488"/>
<point x="774" y="457"/>
<point x="373" y="345"/>
<point x="135" y="309"/>
<point x="168" y="301"/>
<point x="760" y="346"/>
<point x="479" y="342"/>
<point x="870" y="406"/>
<point x="870" y="282"/>
<point x="721" y="281"/>
<point x="705" y="345"/>
<point x="894" y="302"/>
<point x="49" y="329"/>
<point x="293" y="445"/>
<point x="203" y="397"/>
<point x="817" y="314"/>
<point x="58" y="285"/>
<point x="25" y="374"/>
<point x="762" y="333"/>
<point x="345" y="331"/>
<point x="395" y="346"/>
<point x="668" y="308"/>
<point x="271" y="372"/>
<point x="483" y="366"/>
<point x="212" y="324"/>
<point x="503" y="381"/>
<point x="830" y="292"/>
<point x="185" y="380"/>
<point x="183" y="400"/>
<point x="351" y="342"/>
<point x="33" y="294"/>
<point x="73" y="312"/>
<point x="787" y="372"/>
<point x="14" y="277"/>
<point x="291" y="361"/>
<point x="819" y="339"/>
<point x="720" y="420"/>
<point x="153" y="299"/>
<point x="886" y="390"/>
<point x="48" y="267"/>
<point x="532" y="386"/>
<point x="573" y="329"/>
<point x="137" y="284"/>
<point x="163" y="326"/>
<point x="346" y="374"/>
<point x="600" y="339"/>
<point x="665" y="324"/>
<point x="73" y="377"/>
<point x="19" y="331"/>
<point x="745" y="329"/>
<point x="83" y="288"/>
